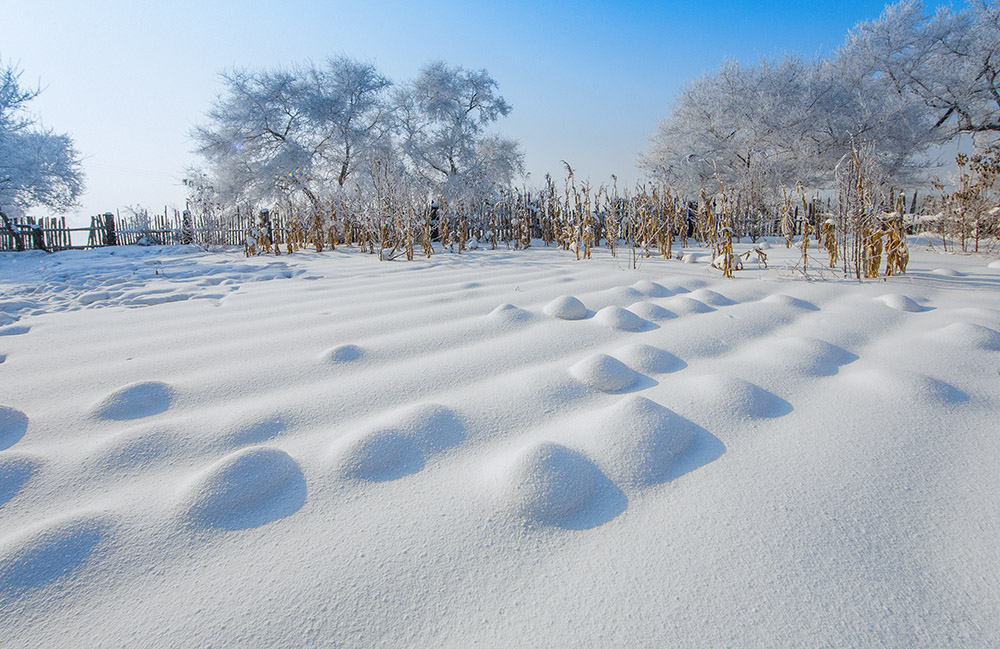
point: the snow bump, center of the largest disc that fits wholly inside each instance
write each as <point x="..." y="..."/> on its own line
<point x="342" y="354"/>
<point x="136" y="401"/>
<point x="137" y="450"/>
<point x="603" y="372"/>
<point x="904" y="387"/>
<point x="732" y="395"/>
<point x="651" y="289"/>
<point x="13" y="425"/>
<point x="711" y="297"/>
<point x="15" y="471"/>
<point x="509" y="314"/>
<point x="900" y="303"/>
<point x="789" y="301"/>
<point x="566" y="307"/>
<point x="549" y="484"/>
<point x="398" y="444"/>
<point x="621" y="319"/>
<point x="648" y="359"/>
<point x="636" y="441"/>
<point x="56" y="550"/>
<point x="804" y="356"/>
<point x="651" y="311"/>
<point x="684" y="305"/>
<point x="969" y="335"/>
<point x="245" y="489"/>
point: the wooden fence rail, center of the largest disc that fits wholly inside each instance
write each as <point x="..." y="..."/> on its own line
<point x="109" y="229"/>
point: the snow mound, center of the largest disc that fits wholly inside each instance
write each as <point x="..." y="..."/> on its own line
<point x="685" y="305"/>
<point x="245" y="489"/>
<point x="651" y="289"/>
<point x="550" y="484"/>
<point x="711" y="297"/>
<point x="15" y="471"/>
<point x="343" y="354"/>
<point x="690" y="258"/>
<point x="903" y="387"/>
<point x="650" y="311"/>
<point x="377" y="456"/>
<point x="13" y="426"/>
<point x="398" y="444"/>
<point x="432" y="426"/>
<point x="566" y="307"/>
<point x="801" y="355"/>
<point x="621" y="319"/>
<point x="764" y="245"/>
<point x="53" y="551"/>
<point x="648" y="359"/>
<point x="137" y="449"/>
<point x="14" y="331"/>
<point x="971" y="335"/>
<point x="616" y="296"/>
<point x="510" y="314"/>
<point x="636" y="440"/>
<point x="789" y="301"/>
<point x="947" y="272"/>
<point x="603" y="372"/>
<point x="727" y="394"/>
<point x="994" y="264"/>
<point x="900" y="303"/>
<point x="136" y="401"/>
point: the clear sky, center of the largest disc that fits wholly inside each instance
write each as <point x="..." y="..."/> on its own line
<point x="588" y="80"/>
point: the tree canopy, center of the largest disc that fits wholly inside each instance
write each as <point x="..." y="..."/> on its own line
<point x="332" y="130"/>
<point x="38" y="167"/>
<point x="898" y="85"/>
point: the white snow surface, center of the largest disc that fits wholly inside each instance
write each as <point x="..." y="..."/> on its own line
<point x="503" y="449"/>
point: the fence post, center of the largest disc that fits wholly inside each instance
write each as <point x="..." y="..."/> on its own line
<point x="38" y="237"/>
<point x="187" y="228"/>
<point x="110" y="236"/>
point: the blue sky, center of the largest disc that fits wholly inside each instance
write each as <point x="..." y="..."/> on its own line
<point x="588" y="80"/>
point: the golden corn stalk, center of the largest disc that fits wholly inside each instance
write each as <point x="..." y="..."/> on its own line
<point x="830" y="241"/>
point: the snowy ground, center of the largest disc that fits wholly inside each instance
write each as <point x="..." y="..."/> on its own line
<point x="325" y="450"/>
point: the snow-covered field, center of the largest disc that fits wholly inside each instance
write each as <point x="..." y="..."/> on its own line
<point x="199" y="450"/>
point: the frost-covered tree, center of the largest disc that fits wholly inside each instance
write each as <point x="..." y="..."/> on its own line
<point x="277" y="133"/>
<point x="739" y="125"/>
<point x="255" y="142"/>
<point x="442" y="116"/>
<point x="851" y="104"/>
<point x="758" y="128"/>
<point x="950" y="60"/>
<point x="345" y="103"/>
<point x="38" y="167"/>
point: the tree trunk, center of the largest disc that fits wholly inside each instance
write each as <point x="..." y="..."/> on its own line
<point x="18" y="241"/>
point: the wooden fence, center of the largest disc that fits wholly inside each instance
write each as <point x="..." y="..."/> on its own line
<point x="109" y="229"/>
<point x="42" y="233"/>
